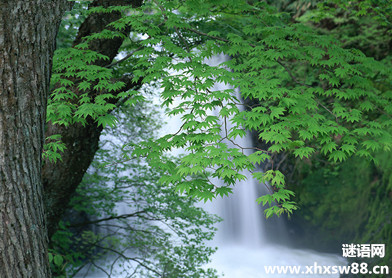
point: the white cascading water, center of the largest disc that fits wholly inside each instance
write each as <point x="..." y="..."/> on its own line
<point x="243" y="246"/>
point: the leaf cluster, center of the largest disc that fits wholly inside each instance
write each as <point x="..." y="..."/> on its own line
<point x="141" y="228"/>
<point x="309" y="94"/>
<point x="305" y="92"/>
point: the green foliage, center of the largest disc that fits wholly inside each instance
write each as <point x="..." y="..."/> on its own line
<point x="346" y="203"/>
<point x="70" y="24"/>
<point x="308" y="93"/>
<point x="57" y="264"/>
<point x="335" y="108"/>
<point x="53" y="148"/>
<point x="349" y="201"/>
<point x="72" y="69"/>
<point x="365" y="25"/>
<point x="378" y="10"/>
<point x="154" y="233"/>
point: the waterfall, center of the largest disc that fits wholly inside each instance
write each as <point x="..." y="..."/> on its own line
<point x="243" y="244"/>
<point x="242" y="223"/>
<point x="244" y="247"/>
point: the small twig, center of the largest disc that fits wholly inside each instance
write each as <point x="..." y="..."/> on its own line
<point x="108" y="218"/>
<point x="129" y="258"/>
<point x="281" y="161"/>
<point x="178" y="131"/>
<point x="291" y="74"/>
<point x="125" y="58"/>
<point x="319" y="103"/>
<point x="207" y="35"/>
<point x="100" y="268"/>
<point x="226" y="127"/>
<point x="303" y="84"/>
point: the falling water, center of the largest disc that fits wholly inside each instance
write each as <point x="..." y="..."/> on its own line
<point x="243" y="245"/>
<point x="242" y="224"/>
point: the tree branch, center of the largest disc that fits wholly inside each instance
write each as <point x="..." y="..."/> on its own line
<point x="123" y="216"/>
<point x="60" y="180"/>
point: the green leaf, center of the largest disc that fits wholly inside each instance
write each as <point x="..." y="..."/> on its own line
<point x="58" y="260"/>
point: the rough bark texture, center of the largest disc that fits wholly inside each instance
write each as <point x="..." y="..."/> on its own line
<point x="61" y="179"/>
<point x="27" y="40"/>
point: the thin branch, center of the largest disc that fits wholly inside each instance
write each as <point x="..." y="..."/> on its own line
<point x="88" y="270"/>
<point x="172" y="135"/>
<point x="108" y="218"/>
<point x="79" y="269"/>
<point x="125" y="58"/>
<point x="281" y="161"/>
<point x="303" y="84"/>
<point x="319" y="103"/>
<point x="130" y="258"/>
<point x="100" y="268"/>
<point x="207" y="35"/>
<point x="291" y="74"/>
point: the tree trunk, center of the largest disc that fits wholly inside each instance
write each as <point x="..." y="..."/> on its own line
<point x="61" y="179"/>
<point x="27" y="40"/>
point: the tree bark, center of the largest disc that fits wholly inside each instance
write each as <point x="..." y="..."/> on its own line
<point x="27" y="40"/>
<point x="62" y="178"/>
